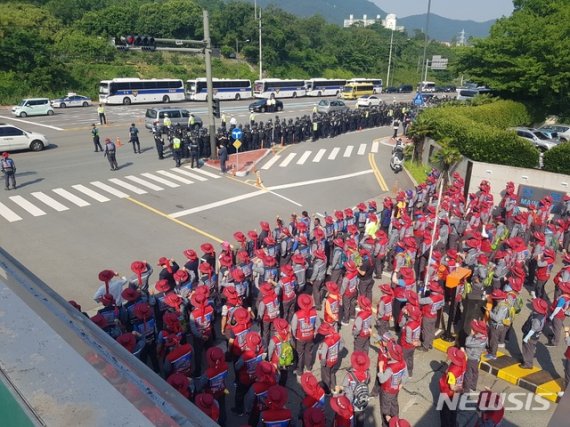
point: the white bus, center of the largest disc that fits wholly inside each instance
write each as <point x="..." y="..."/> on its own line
<point x="377" y="83"/>
<point x="264" y="88"/>
<point x="426" y="86"/>
<point x="134" y="90"/>
<point x="226" y="89"/>
<point x="324" y="87"/>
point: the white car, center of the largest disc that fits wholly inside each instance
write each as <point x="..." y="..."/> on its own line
<point x="71" y="100"/>
<point x="13" y="138"/>
<point x="368" y="101"/>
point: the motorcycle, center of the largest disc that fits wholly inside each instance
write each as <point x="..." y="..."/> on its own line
<point x="397" y="160"/>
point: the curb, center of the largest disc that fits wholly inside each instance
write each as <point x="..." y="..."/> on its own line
<point x="243" y="171"/>
<point x="507" y="368"/>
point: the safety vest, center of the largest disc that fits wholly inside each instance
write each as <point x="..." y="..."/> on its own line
<point x="7" y="165"/>
<point x="366" y="328"/>
<point x="203" y="319"/>
<point x="251" y="363"/>
<point x="408" y="338"/>
<point x="392" y="385"/>
<point x="306" y="325"/>
<point x="352" y="282"/>
<point x="260" y="391"/>
<point x="191" y="120"/>
<point x="176" y="143"/>
<point x="387" y="300"/>
<point x="146" y="329"/>
<point x="458" y="372"/>
<point x="181" y="359"/>
<point x="333" y="343"/>
<point x="271" y="302"/>
<point x="276" y="418"/>
<point x="288" y="288"/>
<point x="167" y="122"/>
<point x="240" y="331"/>
<point x="561" y="313"/>
<point x="217" y="380"/>
<point x="430" y="310"/>
<point x="101" y="110"/>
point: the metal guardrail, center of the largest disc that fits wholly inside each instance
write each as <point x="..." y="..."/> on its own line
<point x="85" y="345"/>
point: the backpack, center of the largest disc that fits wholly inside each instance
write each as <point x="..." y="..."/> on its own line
<point x="517" y="305"/>
<point x="360" y="394"/>
<point x="286" y="356"/>
<point x="488" y="281"/>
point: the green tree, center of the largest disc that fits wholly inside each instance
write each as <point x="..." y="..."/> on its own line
<point x="447" y="157"/>
<point x="420" y="130"/>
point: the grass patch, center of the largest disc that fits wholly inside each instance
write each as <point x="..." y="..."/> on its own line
<point x="418" y="171"/>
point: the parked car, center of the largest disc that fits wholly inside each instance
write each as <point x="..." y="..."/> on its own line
<point x="538" y="138"/>
<point x="391" y="89"/>
<point x="176" y="116"/>
<point x="368" y="101"/>
<point x="405" y="89"/>
<point x="71" y="100"/>
<point x="260" y="106"/>
<point x="562" y="131"/>
<point x="33" y="107"/>
<point x="329" y="106"/>
<point x="13" y="138"/>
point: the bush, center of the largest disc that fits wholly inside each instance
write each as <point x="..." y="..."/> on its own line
<point x="558" y="159"/>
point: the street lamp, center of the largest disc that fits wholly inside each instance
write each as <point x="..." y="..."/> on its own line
<point x="390" y="59"/>
<point x="424" y="63"/>
<point x="237" y="46"/>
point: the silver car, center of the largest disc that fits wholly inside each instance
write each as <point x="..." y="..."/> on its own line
<point x="176" y="115"/>
<point x="538" y="138"/>
<point x="71" y="100"/>
<point x="329" y="106"/>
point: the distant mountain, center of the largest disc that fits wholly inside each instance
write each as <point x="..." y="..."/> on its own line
<point x="445" y="29"/>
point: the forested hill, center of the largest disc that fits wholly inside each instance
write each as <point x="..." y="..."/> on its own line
<point x="446" y="29"/>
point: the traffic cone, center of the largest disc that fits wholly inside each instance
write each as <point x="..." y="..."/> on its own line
<point x="257" y="178"/>
<point x="118" y="142"/>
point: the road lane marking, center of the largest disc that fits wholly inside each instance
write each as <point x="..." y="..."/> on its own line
<point x="204" y="172"/>
<point x="319" y="155"/>
<point x="271" y="162"/>
<point x="375" y="146"/>
<point x="190" y="174"/>
<point x="285" y="198"/>
<point x="361" y="149"/>
<point x="24" y="204"/>
<point x="144" y="183"/>
<point x="348" y="151"/>
<point x="9" y="214"/>
<point x="304" y="157"/>
<point x="287" y="160"/>
<point x="177" y="221"/>
<point x="160" y="180"/>
<point x="127" y="186"/>
<point x="71" y="197"/>
<point x="377" y="174"/>
<point x="30" y="123"/>
<point x="175" y="177"/>
<point x="90" y="193"/>
<point x="318" y="181"/>
<point x="334" y="153"/>
<point x="217" y="204"/>
<point x="109" y="189"/>
<point x="50" y="201"/>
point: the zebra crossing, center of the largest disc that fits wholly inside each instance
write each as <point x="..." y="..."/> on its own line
<point x="288" y="159"/>
<point x="39" y="203"/>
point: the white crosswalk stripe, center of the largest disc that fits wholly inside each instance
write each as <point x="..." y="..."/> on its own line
<point x="375" y="146"/>
<point x="109" y="189"/>
<point x="348" y="151"/>
<point x="205" y="172"/>
<point x="361" y="150"/>
<point x="190" y="174"/>
<point x="78" y="201"/>
<point x="304" y="157"/>
<point x="50" y="201"/>
<point x="90" y="193"/>
<point x="26" y="205"/>
<point x="127" y="186"/>
<point x="160" y="180"/>
<point x="144" y="183"/>
<point x="9" y="214"/>
<point x="287" y="160"/>
<point x="175" y="177"/>
<point x="334" y="153"/>
<point x="319" y="155"/>
<point x="271" y="161"/>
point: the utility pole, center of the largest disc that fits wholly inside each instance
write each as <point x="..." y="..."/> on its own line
<point x="426" y="38"/>
<point x="210" y="86"/>
<point x="389" y="60"/>
<point x="260" y="52"/>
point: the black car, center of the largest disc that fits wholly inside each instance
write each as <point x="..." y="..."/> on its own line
<point x="260" y="106"/>
<point x="391" y="89"/>
<point x="405" y="89"/>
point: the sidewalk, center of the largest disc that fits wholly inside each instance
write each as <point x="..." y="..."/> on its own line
<point x="242" y="163"/>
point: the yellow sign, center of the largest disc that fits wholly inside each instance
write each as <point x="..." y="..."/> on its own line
<point x="237" y="144"/>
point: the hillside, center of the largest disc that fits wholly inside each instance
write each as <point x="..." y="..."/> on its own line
<point x="445" y="29"/>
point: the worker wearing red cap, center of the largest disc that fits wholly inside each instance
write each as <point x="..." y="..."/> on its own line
<point x="392" y="374"/>
<point x="337" y="260"/>
<point x="450" y="383"/>
<point x="191" y="266"/>
<point x="544" y="265"/>
<point x="348" y="290"/>
<point x="343" y="410"/>
<point x="332" y="306"/>
<point x="179" y="357"/>
<point x="287" y="288"/>
<point x="181" y="383"/>
<point x="328" y="354"/>
<point x="313" y="417"/>
<point x="379" y="253"/>
<point x="410" y="338"/>
<point x="384" y="309"/>
<point x="362" y="328"/>
<point x="8" y="166"/>
<point x="214" y="379"/>
<point x="232" y="302"/>
<point x="280" y="350"/>
<point x="169" y="267"/>
<point x="238" y="328"/>
<point x="267" y="311"/>
<point x="304" y="325"/>
<point x="111" y="313"/>
<point x="314" y="394"/>
<point x="131" y="297"/>
<point x="430" y="305"/>
<point x="256" y="397"/>
<point x="276" y="414"/>
<point x="208" y="254"/>
<point x="355" y="385"/>
<point x="285" y="240"/>
<point x="132" y="344"/>
<point x="139" y="280"/>
<point x="144" y="327"/>
<point x="532" y="329"/>
<point x="499" y="321"/>
<point x="318" y="273"/>
<point x="339" y="224"/>
<point x="245" y="368"/>
<point x="201" y="322"/>
<point x="361" y="215"/>
<point x="475" y="345"/>
<point x="208" y="405"/>
<point x="558" y="311"/>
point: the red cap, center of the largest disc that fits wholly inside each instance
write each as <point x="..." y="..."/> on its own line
<point x="364" y="302"/>
<point x="341" y="405"/>
<point x="180" y="382"/>
<point x="239" y="236"/>
<point x="269" y="261"/>
<point x="143" y="311"/>
<point x="309" y="383"/>
<point x="318" y="233"/>
<point x="456" y="356"/>
<point x="269" y="241"/>
<point x="266" y="288"/>
<point x="395" y="351"/>
<point x="264" y="225"/>
<point x="276" y="397"/>
<point x="130" y="294"/>
<point x="326" y="329"/>
<point x="107" y="300"/>
<point x="5" y="154"/>
<point x="198" y="299"/>
<point x="252" y="235"/>
<point x="190" y="254"/>
<point x="241" y="315"/>
<point x="361" y="206"/>
<point x="339" y="215"/>
<point x="207" y="248"/>
<point x="350" y="265"/>
<point x="360" y="361"/>
<point x="238" y="275"/>
<point x="205" y="268"/>
<point x="298" y="259"/>
<point x="305" y="301"/>
<point x="214" y="356"/>
<point x="479" y="327"/>
<point x="387" y="289"/>
<point x="265" y="372"/>
<point x="287" y="270"/>
<point x="281" y="325"/>
<point x="208" y="405"/>
<point x="181" y="276"/>
<point x="253" y="340"/>
<point x="539" y="305"/>
<point x="173" y="300"/>
<point x="127" y="340"/>
<point x="332" y="287"/>
<point x="314" y="417"/>
<point x="226" y="261"/>
<point x="319" y="253"/>
<point x="498" y="294"/>
<point x="162" y="286"/>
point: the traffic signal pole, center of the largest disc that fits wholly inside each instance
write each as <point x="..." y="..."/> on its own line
<point x="210" y="99"/>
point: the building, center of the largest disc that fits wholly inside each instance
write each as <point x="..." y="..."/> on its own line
<point x="390" y="22"/>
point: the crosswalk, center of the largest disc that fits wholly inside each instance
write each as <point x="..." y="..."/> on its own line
<point x="300" y="158"/>
<point x="40" y="203"/>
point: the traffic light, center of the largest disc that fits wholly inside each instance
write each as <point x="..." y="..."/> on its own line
<point x="216" y="108"/>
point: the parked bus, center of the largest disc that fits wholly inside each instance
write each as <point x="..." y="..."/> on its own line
<point x="376" y="83"/>
<point x="224" y="89"/>
<point x="427" y="86"/>
<point x="354" y="90"/>
<point x="134" y="90"/>
<point x="264" y="88"/>
<point x="324" y="87"/>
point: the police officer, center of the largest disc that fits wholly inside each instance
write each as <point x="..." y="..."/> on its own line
<point x="96" y="140"/>
<point x="158" y="141"/>
<point x="111" y="154"/>
<point x="177" y="149"/>
<point x="101" y="112"/>
<point x="134" y="138"/>
<point x="252" y="119"/>
<point x="191" y="121"/>
<point x="194" y="152"/>
<point x="9" y="169"/>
